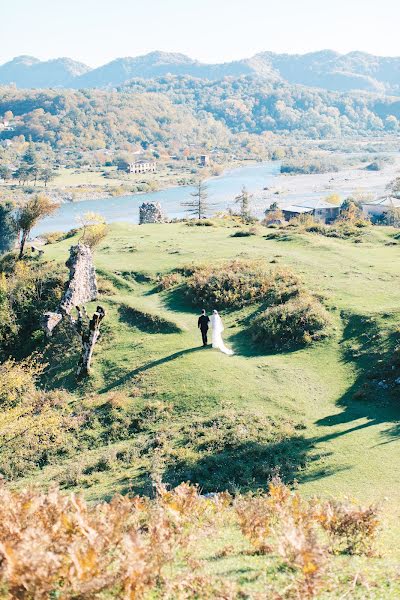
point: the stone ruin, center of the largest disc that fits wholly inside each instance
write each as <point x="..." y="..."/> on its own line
<point x="151" y="212"/>
<point x="81" y="288"/>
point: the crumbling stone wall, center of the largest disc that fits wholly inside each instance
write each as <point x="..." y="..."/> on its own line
<point x="151" y="212"/>
<point x="81" y="288"/>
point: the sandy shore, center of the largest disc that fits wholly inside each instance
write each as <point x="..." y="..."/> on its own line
<point x="288" y="189"/>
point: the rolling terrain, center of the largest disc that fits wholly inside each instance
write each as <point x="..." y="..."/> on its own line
<point x="335" y="422"/>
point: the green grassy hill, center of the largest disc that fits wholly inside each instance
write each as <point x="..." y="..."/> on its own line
<point x="321" y="415"/>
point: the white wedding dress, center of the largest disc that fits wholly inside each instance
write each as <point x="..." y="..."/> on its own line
<point x="217" y="329"/>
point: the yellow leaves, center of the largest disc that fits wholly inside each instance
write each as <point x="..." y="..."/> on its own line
<point x="94" y="228"/>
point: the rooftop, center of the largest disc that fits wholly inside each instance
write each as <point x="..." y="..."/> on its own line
<point x="385" y="201"/>
<point x="295" y="208"/>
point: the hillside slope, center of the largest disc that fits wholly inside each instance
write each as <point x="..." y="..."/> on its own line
<point x="336" y="429"/>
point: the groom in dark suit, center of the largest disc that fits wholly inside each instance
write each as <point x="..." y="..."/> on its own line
<point x="202" y="324"/>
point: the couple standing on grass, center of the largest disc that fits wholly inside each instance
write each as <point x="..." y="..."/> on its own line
<point x="217" y="329"/>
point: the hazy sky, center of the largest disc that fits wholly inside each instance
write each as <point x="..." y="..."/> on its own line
<point x="96" y="31"/>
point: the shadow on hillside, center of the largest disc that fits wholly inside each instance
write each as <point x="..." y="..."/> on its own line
<point x="371" y="353"/>
<point x="150" y="365"/>
<point x="243" y="344"/>
<point x="245" y="467"/>
<point x="176" y="301"/>
<point x="146" y="322"/>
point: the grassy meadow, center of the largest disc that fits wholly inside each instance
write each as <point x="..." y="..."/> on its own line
<point x="322" y="415"/>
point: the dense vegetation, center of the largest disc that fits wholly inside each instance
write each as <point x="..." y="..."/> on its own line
<point x="247" y="104"/>
<point x="96" y="120"/>
<point x="180" y="114"/>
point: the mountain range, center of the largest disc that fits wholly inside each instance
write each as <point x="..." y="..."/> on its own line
<point x="325" y="69"/>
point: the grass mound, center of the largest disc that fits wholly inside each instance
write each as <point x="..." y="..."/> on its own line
<point x="147" y="322"/>
<point x="298" y="322"/>
<point x="236" y="451"/>
<point x="240" y="283"/>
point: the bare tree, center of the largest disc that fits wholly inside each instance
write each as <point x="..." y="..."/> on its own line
<point x="89" y="331"/>
<point x="244" y="200"/>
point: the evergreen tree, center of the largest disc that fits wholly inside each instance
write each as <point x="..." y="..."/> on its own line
<point x="30" y="157"/>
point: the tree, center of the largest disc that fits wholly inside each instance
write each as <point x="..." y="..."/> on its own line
<point x="94" y="229"/>
<point x="22" y="174"/>
<point x="8" y="233"/>
<point x="199" y="206"/>
<point x="392" y="217"/>
<point x="89" y="331"/>
<point x="350" y="211"/>
<point x="29" y="214"/>
<point x="5" y="172"/>
<point x="244" y="199"/>
<point x="47" y="175"/>
<point x="34" y="173"/>
<point x="394" y="187"/>
<point x="30" y="157"/>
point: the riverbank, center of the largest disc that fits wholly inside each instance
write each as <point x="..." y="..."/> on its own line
<point x="347" y="182"/>
<point x="76" y="185"/>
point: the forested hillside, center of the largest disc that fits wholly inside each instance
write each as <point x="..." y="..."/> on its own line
<point x="248" y="104"/>
<point x="172" y="113"/>
<point x="96" y="119"/>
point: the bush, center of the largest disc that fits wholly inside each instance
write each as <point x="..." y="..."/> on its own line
<point x="244" y="233"/>
<point x="36" y="426"/>
<point x="53" y="237"/>
<point x="27" y="290"/>
<point x="351" y="529"/>
<point x="168" y="281"/>
<point x="240" y="283"/>
<point x="297" y="322"/>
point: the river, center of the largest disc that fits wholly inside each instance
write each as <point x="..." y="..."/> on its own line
<point x="221" y="193"/>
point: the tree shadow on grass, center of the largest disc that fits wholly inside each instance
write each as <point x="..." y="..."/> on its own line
<point x="150" y="365"/>
<point x="373" y="394"/>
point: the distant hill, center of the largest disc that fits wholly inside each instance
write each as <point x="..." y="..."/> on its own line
<point x="325" y="69"/>
<point x="29" y="72"/>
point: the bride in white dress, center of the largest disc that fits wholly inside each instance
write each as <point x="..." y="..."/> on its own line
<point x="217" y="329"/>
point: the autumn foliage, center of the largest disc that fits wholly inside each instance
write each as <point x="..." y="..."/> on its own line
<point x="59" y="546"/>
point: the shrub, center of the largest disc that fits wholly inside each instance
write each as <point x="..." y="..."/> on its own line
<point x="35" y="426"/>
<point x="200" y="223"/>
<point x="302" y="221"/>
<point x="27" y="290"/>
<point x="244" y="233"/>
<point x="352" y="529"/>
<point x="273" y="216"/>
<point x="240" y="283"/>
<point x="53" y="237"/>
<point x="297" y="322"/>
<point x="166" y="282"/>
